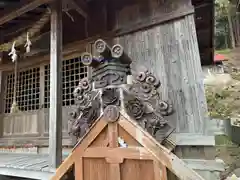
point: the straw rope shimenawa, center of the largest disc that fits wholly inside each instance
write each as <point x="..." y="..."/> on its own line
<point x="36" y="27"/>
<point x="21" y="40"/>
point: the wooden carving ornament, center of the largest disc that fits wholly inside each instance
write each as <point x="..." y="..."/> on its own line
<point x="107" y="92"/>
<point x="144" y="104"/>
<point x="111" y="113"/>
<point x="87" y="108"/>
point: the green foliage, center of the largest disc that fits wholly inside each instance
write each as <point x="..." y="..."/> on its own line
<point x="223" y="140"/>
<point x="216" y="106"/>
<point x="223" y="51"/>
<point x="221" y="24"/>
<point x="223" y="103"/>
<point x="221" y="10"/>
<point x="222" y="4"/>
<point x="236" y="75"/>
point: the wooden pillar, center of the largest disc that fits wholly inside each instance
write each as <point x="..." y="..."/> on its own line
<point x="1" y="41"/>
<point x="55" y="117"/>
<point x="1" y="85"/>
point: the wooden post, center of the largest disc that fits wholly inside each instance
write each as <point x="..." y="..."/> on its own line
<point x="1" y="85"/>
<point x="1" y="41"/>
<point x="55" y="117"/>
<point x="114" y="165"/>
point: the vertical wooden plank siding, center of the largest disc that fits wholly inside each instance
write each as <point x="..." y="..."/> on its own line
<point x="1" y="87"/>
<point x="55" y="117"/>
<point x="170" y="51"/>
<point x="1" y="98"/>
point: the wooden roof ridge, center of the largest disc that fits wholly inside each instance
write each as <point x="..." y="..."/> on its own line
<point x="82" y="138"/>
<point x="162" y="154"/>
<point x="151" y="149"/>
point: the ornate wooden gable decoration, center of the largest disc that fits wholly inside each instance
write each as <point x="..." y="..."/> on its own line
<point x="120" y="126"/>
<point x="108" y="86"/>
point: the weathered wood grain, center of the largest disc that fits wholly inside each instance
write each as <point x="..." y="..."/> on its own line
<point x="21" y="124"/>
<point x="55" y="116"/>
<point x="146" y="14"/>
<point x="35" y="123"/>
<point x="170" y="51"/>
<point x="1" y="98"/>
<point x="23" y="140"/>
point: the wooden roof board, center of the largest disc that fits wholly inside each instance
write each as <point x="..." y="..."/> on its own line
<point x="162" y="155"/>
<point x="38" y="175"/>
<point x="9" y="15"/>
<point x="26" y="165"/>
<point x="24" y="161"/>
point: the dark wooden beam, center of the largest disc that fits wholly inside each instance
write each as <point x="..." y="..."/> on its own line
<point x="21" y="10"/>
<point x="21" y="20"/>
<point x="1" y="41"/>
<point x="55" y="116"/>
<point x="204" y="5"/>
<point x="204" y="30"/>
<point x="147" y="22"/>
<point x="212" y="42"/>
<point x="15" y="30"/>
<point x="19" y="25"/>
<point x="80" y="6"/>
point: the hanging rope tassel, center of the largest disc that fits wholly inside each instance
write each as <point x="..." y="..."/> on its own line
<point x="28" y="44"/>
<point x="13" y="52"/>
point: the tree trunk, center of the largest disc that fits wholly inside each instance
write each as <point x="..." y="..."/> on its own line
<point x="226" y="38"/>
<point x="231" y="28"/>
<point x="237" y="28"/>
<point x="234" y="24"/>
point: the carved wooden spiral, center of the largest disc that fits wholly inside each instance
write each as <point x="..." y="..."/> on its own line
<point x="102" y="48"/>
<point x="118" y="53"/>
<point x="86" y="59"/>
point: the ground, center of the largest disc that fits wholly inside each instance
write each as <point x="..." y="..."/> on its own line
<point x="223" y="98"/>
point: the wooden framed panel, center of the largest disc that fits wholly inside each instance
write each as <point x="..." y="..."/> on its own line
<point x="33" y="98"/>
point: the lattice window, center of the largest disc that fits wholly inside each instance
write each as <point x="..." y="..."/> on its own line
<point x="72" y="71"/>
<point x="28" y="90"/>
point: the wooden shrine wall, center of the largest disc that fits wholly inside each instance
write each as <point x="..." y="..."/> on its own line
<point x="162" y="37"/>
<point x="32" y="126"/>
<point x="31" y="123"/>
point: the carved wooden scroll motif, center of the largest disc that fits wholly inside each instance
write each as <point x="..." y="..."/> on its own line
<point x="108" y="92"/>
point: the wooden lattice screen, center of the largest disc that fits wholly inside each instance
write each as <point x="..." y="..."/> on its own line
<point x="28" y="85"/>
<point x="28" y="90"/>
<point x="72" y="71"/>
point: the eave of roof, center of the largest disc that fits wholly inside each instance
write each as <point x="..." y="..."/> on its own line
<point x="205" y="36"/>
